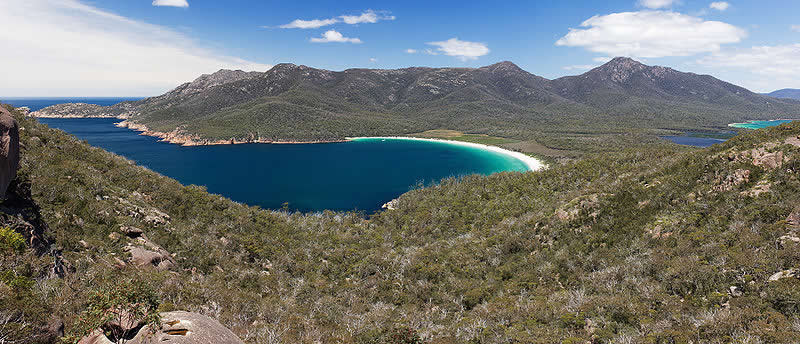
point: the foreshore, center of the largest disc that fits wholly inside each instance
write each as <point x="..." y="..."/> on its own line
<point x="180" y="138"/>
<point x="532" y="163"/>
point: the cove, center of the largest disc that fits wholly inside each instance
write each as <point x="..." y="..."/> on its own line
<point x="356" y="175"/>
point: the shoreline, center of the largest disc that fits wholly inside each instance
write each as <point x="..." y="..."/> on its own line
<point x="741" y="125"/>
<point x="179" y="138"/>
<point x="530" y="162"/>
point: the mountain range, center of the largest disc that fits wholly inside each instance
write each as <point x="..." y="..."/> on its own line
<point x="788" y="93"/>
<point x="300" y="103"/>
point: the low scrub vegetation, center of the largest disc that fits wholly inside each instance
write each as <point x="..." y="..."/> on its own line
<point x="653" y="245"/>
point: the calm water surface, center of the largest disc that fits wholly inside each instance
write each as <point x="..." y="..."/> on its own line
<point x="760" y="124"/>
<point x="40" y="103"/>
<point x="357" y="175"/>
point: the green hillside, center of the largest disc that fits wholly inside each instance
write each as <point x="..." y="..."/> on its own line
<point x="618" y="104"/>
<point x="656" y="245"/>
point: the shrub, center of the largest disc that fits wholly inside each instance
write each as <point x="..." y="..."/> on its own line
<point x="11" y="241"/>
<point x="120" y="302"/>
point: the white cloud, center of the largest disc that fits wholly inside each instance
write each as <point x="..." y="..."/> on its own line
<point x="333" y="36"/>
<point x="74" y="49"/>
<point x="651" y="34"/>
<point x="602" y="59"/>
<point x="411" y="51"/>
<point x="578" y="67"/>
<point x="656" y="4"/>
<point x="308" y="24"/>
<point x="368" y="16"/>
<point x="431" y="52"/>
<point x="761" y="67"/>
<point x="795" y="28"/>
<point x="719" y="5"/>
<point x="373" y="60"/>
<point x="172" y="3"/>
<point x="463" y="50"/>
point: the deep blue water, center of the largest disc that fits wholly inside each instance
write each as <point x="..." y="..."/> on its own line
<point x="356" y="175"/>
<point x="39" y="103"/>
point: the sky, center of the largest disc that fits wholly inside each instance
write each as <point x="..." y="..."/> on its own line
<point x="72" y="48"/>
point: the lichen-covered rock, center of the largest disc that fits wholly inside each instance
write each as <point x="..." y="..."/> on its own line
<point x="186" y="328"/>
<point x="145" y="253"/>
<point x="9" y="150"/>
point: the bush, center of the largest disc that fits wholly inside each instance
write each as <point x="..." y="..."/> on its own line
<point x="11" y="241"/>
<point x="121" y="302"/>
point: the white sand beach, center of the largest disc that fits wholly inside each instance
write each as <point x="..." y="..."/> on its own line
<point x="532" y="163"/>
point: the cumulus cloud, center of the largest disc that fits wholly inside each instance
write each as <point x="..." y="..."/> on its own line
<point x="719" y="5"/>
<point x="172" y="3"/>
<point x="464" y="50"/>
<point x="765" y="67"/>
<point x="795" y="28"/>
<point x="308" y="24"/>
<point x="333" y="36"/>
<point x="366" y="17"/>
<point x="411" y="51"/>
<point x="656" y="4"/>
<point x="373" y="60"/>
<point x="651" y="34"/>
<point x="75" y="49"/>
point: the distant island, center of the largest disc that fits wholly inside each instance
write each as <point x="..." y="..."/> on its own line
<point x="291" y="103"/>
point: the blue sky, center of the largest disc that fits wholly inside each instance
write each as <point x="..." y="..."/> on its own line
<point x="133" y="47"/>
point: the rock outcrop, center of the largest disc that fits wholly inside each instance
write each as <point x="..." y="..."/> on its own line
<point x="177" y="328"/>
<point x="145" y="253"/>
<point x="9" y="150"/>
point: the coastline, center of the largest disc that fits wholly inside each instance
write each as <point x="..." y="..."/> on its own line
<point x="532" y="163"/>
<point x="180" y="138"/>
<point x="744" y="125"/>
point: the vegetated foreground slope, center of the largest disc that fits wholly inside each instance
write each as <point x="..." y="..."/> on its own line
<point x="652" y="246"/>
<point x="299" y="103"/>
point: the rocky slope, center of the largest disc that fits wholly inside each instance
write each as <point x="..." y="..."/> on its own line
<point x="299" y="103"/>
<point x="656" y="245"/>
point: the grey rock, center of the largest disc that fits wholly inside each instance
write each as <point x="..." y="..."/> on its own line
<point x="9" y="150"/>
<point x="176" y="328"/>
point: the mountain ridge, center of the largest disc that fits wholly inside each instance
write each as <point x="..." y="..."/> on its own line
<point x="788" y="93"/>
<point x="298" y="103"/>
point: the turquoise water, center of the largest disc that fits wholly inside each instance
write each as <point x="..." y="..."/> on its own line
<point x="356" y="175"/>
<point x="760" y="124"/>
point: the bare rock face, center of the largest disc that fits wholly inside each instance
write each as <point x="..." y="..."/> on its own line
<point x="9" y="150"/>
<point x="177" y="328"/>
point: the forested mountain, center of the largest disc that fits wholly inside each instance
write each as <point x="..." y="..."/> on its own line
<point x="653" y="245"/>
<point x="788" y="93"/>
<point x="299" y="103"/>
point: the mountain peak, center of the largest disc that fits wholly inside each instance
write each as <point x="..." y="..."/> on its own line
<point x="624" y="62"/>
<point x="504" y="65"/>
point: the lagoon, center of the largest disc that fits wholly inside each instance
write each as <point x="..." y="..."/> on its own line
<point x="355" y="175"/>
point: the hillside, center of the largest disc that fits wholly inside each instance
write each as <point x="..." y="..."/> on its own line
<point x="647" y="246"/>
<point x="787" y="93"/>
<point x="299" y="103"/>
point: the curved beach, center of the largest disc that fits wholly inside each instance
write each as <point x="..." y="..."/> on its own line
<point x="532" y="163"/>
